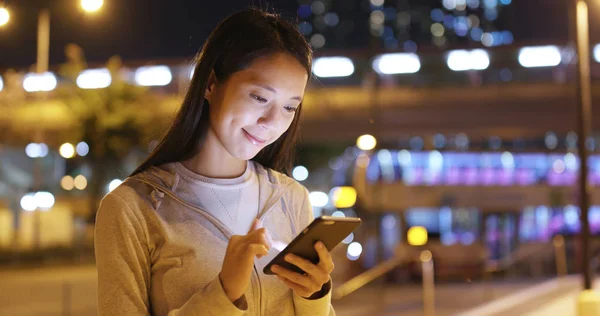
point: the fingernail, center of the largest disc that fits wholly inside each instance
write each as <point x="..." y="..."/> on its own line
<point x="320" y="245"/>
<point x="288" y="258"/>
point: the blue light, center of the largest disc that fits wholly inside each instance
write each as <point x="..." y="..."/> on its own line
<point x="507" y="37"/>
<point x="590" y="143"/>
<point x="490" y="3"/>
<point x="331" y="19"/>
<point x="391" y="43"/>
<point x="542" y="215"/>
<point x="390" y="14"/>
<point x="505" y="2"/>
<point x="467" y="238"/>
<point x="305" y="28"/>
<point x="497" y="38"/>
<point x="416" y="143"/>
<point x="505" y="75"/>
<point x="461" y="28"/>
<point x="571" y="215"/>
<point x="373" y="171"/>
<point x="473" y="4"/>
<point x="448" y="239"/>
<point x="476" y="34"/>
<point x="437" y="15"/>
<point x="304" y="11"/>
<point x="388" y="32"/>
<point x="491" y="14"/>
<point x="445" y="219"/>
<point x="439" y="141"/>
<point x="410" y="46"/>
<point x="449" y="21"/>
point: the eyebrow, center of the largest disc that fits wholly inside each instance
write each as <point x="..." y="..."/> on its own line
<point x="299" y="99"/>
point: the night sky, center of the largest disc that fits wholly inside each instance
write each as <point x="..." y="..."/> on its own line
<point x="132" y="29"/>
<point x="154" y="29"/>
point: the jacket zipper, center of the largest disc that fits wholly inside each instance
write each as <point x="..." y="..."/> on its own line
<point x="226" y="231"/>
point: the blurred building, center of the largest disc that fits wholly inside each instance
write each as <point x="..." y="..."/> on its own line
<point x="404" y="24"/>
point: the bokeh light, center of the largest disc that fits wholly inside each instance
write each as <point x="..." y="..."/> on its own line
<point x="33" y="82"/>
<point x="354" y="250"/>
<point x="44" y="200"/>
<point x="114" y="184"/>
<point x="366" y="142"/>
<point x="4" y="16"/>
<point x="80" y="182"/>
<point x="153" y="76"/>
<point x="67" y="183"/>
<point x="82" y="149"/>
<point x="300" y="173"/>
<point x="94" y="79"/>
<point x="318" y="199"/>
<point x="92" y="5"/>
<point x="333" y="66"/>
<point x="28" y="202"/>
<point x="67" y="150"/>
<point x="417" y="236"/>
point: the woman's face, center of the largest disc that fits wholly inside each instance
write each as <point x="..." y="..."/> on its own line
<point x="255" y="106"/>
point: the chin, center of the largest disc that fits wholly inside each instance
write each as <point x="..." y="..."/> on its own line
<point x="246" y="153"/>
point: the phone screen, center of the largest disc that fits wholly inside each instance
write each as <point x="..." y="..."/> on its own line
<point x="330" y="230"/>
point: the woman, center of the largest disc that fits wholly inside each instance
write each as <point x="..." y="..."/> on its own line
<point x="184" y="234"/>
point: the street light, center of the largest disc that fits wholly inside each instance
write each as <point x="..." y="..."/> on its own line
<point x="589" y="301"/>
<point x="91" y="5"/>
<point x="43" y="39"/>
<point x="4" y="16"/>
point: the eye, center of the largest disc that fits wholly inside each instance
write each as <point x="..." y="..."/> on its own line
<point x="291" y="109"/>
<point x="258" y="98"/>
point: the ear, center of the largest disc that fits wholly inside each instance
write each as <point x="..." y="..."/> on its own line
<point x="211" y="85"/>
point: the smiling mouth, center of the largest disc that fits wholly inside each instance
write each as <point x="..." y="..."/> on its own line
<point x="253" y="139"/>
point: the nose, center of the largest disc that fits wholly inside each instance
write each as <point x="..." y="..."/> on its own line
<point x="268" y="119"/>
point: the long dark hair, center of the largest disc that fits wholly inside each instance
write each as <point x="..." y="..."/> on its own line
<point x="237" y="41"/>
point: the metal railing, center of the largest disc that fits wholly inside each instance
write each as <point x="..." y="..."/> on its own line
<point x="428" y="279"/>
<point x="560" y="257"/>
<point x="425" y="258"/>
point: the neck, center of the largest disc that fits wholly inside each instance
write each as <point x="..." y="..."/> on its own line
<point x="214" y="161"/>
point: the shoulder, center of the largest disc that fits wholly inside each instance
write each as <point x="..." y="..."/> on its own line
<point x="130" y="193"/>
<point x="132" y="199"/>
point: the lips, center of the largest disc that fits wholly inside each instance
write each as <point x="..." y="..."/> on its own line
<point x="257" y="141"/>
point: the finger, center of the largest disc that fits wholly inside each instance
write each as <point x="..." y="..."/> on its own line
<point x="259" y="237"/>
<point x="256" y="232"/>
<point x="315" y="272"/>
<point x="325" y="260"/>
<point x="258" y="250"/>
<point x="297" y="278"/>
<point x="299" y="289"/>
<point x="256" y="224"/>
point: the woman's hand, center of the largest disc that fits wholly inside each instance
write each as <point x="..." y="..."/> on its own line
<point x="315" y="277"/>
<point x="239" y="260"/>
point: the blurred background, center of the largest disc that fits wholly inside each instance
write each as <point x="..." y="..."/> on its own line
<point x="448" y="126"/>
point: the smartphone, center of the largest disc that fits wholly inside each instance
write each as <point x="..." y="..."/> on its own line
<point x="330" y="230"/>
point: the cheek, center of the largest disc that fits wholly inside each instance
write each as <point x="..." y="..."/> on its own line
<point x="243" y="116"/>
<point x="236" y="114"/>
<point x="284" y="126"/>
